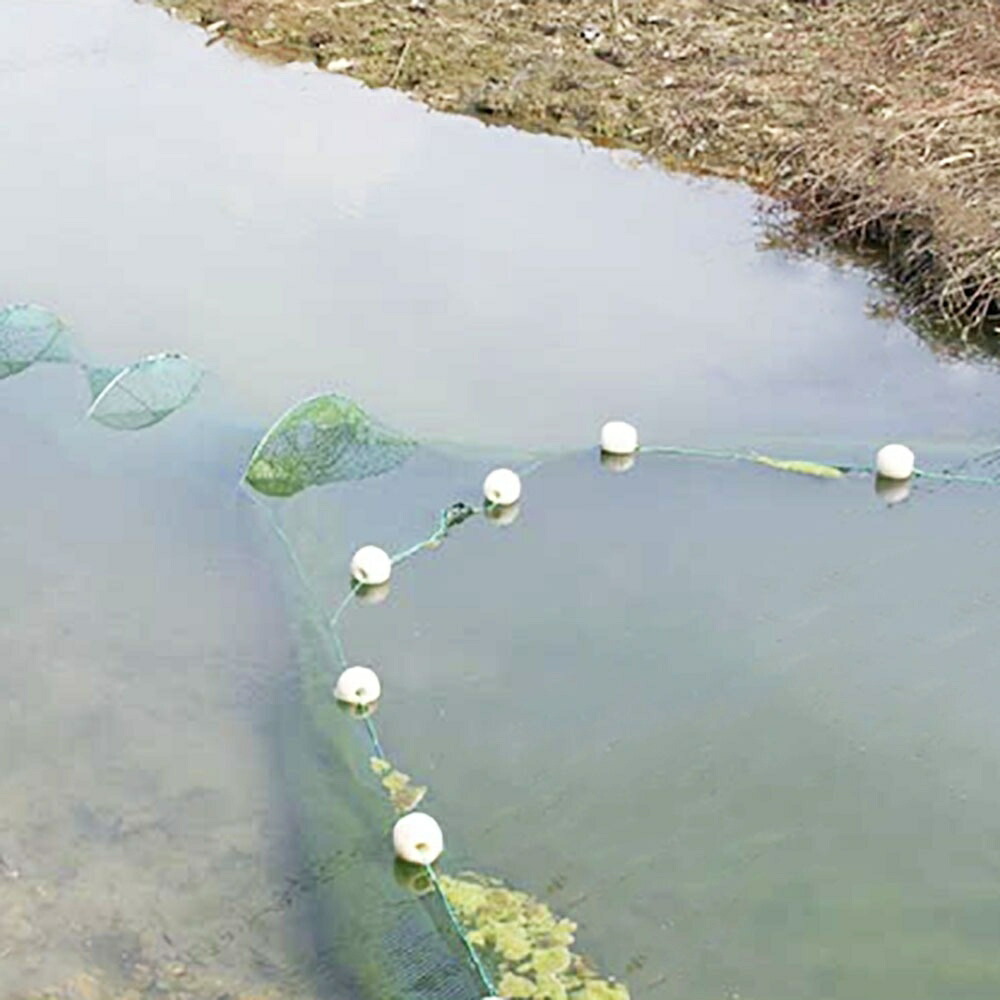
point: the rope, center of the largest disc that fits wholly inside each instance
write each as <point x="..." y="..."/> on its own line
<point x="449" y="518"/>
<point x="477" y="962"/>
<point x="719" y="454"/>
<point x="957" y="477"/>
<point x="373" y="736"/>
<point x="338" y="646"/>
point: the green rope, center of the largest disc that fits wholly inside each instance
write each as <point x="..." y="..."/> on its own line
<point x="449" y="518"/>
<point x="477" y="962"/>
<point x="957" y="477"/>
<point x="373" y="736"/>
<point x="662" y="449"/>
<point x="335" y="620"/>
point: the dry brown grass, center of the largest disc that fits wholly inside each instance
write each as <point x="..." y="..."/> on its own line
<point x="877" y="120"/>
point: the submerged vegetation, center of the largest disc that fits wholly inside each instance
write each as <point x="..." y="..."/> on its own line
<point x="877" y="121"/>
<point x="403" y="794"/>
<point x="528" y="945"/>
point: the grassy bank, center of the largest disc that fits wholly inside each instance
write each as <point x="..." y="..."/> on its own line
<point x="878" y="121"/>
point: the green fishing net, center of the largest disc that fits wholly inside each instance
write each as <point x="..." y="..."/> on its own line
<point x="123" y="397"/>
<point x="665" y="719"/>
<point x="31" y="334"/>
<point x="142" y="394"/>
<point x="324" y="440"/>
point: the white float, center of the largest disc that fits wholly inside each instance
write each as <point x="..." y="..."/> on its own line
<point x="503" y="487"/>
<point x="417" y="838"/>
<point x="358" y="686"/>
<point x="619" y="438"/>
<point x="894" y="461"/>
<point x="371" y="566"/>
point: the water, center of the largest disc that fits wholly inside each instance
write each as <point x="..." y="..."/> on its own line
<point x="737" y="724"/>
<point x="141" y="635"/>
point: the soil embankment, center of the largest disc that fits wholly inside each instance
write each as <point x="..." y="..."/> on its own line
<point x="878" y="121"/>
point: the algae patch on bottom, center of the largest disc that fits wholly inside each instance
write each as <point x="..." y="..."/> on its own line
<point x="529" y="947"/>
<point x="404" y="795"/>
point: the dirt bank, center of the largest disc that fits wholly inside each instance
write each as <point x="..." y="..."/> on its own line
<point x="877" y="120"/>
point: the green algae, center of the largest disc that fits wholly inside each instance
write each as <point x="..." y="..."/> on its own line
<point x="403" y="794"/>
<point x="803" y="468"/>
<point x="526" y="943"/>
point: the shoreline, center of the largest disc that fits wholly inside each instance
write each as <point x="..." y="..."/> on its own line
<point x="875" y="123"/>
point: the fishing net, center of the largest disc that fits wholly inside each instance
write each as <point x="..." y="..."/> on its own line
<point x="29" y="335"/>
<point x="142" y="394"/>
<point x="128" y="398"/>
<point x="324" y="440"/>
<point x="663" y="764"/>
<point x="373" y="937"/>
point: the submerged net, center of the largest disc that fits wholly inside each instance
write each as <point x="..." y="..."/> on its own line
<point x="373" y="937"/>
<point x="444" y="931"/>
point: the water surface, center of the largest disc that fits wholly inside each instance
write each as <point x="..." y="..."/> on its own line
<point x="737" y="724"/>
<point x="294" y="230"/>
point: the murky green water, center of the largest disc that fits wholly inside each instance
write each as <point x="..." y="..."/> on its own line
<point x="739" y="725"/>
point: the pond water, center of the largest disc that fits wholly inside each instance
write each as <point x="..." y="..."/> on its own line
<point x="738" y="724"/>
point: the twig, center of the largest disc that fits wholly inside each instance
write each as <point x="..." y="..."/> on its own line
<point x="399" y="64"/>
<point x="965" y="109"/>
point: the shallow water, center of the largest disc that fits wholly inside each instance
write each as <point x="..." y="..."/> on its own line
<point x="142" y="638"/>
<point x="735" y="723"/>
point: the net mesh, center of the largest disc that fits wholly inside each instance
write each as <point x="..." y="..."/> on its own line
<point x="31" y="334"/>
<point x="142" y="394"/>
<point x="324" y="440"/>
<point x="374" y="936"/>
<point x="127" y="398"/>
